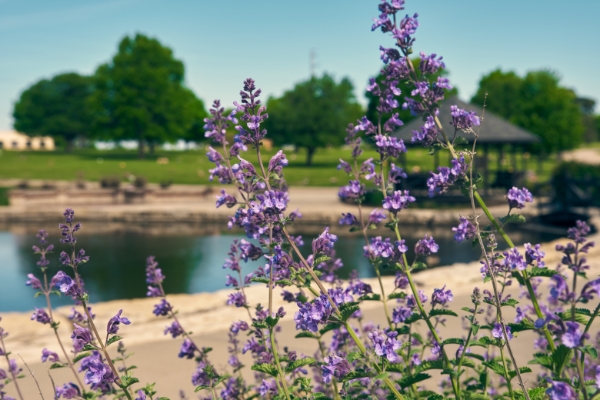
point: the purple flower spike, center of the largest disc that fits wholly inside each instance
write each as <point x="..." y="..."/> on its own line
<point x="66" y="285"/>
<point x="277" y="162"/>
<point x="237" y="299"/>
<point x="113" y="324"/>
<point x="398" y="201"/>
<point x="514" y="260"/>
<point x="140" y="395"/>
<point x="324" y="242"/>
<point x="462" y="119"/>
<point x="348" y="219"/>
<point x="464" y="231"/>
<point x="226" y="199"/>
<point x="498" y="334"/>
<point x="335" y="367"/>
<point x="163" y="308"/>
<point x="81" y="336"/>
<point x="174" y="329"/>
<point x="560" y="391"/>
<point x="40" y="316"/>
<point x="68" y="391"/>
<point x="573" y="337"/>
<point x="188" y="349"/>
<point x="48" y="355"/>
<point x="385" y="344"/>
<point x="441" y="296"/>
<point x="426" y="246"/>
<point x="518" y="197"/>
<point x="534" y="254"/>
<point x="33" y="282"/>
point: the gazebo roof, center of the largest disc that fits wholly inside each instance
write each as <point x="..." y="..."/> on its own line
<point x="494" y="130"/>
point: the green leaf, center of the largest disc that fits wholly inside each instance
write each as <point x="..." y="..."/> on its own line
<point x="522" y="370"/>
<point x="517" y="275"/>
<point x="80" y="356"/>
<point x="513" y="219"/>
<point x="329" y="327"/>
<point x="355" y="375"/>
<point x="591" y="351"/>
<point x="442" y="311"/>
<point x="427" y="365"/>
<point x="347" y="309"/>
<point x="299" y="363"/>
<point x="354" y="229"/>
<point x="128" y="380"/>
<point x="57" y="365"/>
<point x="413" y="318"/>
<point x="268" y="369"/>
<point x="418" y="266"/>
<point x="534" y="394"/>
<point x="306" y="335"/>
<point x="353" y="356"/>
<point x="113" y="339"/>
<point x="582" y="315"/>
<point x="396" y="367"/>
<point x="542" y="272"/>
<point x="271" y="322"/>
<point x="372" y="297"/>
<point x="260" y="279"/>
<point x="476" y="356"/>
<point x="453" y="341"/>
<point x="496" y="367"/>
<point x="560" y="357"/>
<point x="89" y="347"/>
<point x="410" y="380"/>
<point x="524" y="325"/>
<point x="475" y="329"/>
<point x="543" y="359"/>
<point x="483" y="342"/>
<point x="320" y="259"/>
<point x="397" y="295"/>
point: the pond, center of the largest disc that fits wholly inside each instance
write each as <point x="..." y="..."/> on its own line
<point x="191" y="257"/>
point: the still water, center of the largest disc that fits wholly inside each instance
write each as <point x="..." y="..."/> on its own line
<point x="190" y="257"/>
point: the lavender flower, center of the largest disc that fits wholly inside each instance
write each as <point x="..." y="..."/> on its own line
<point x="400" y="314"/>
<point x="385" y="344"/>
<point x="268" y="387"/>
<point x="520" y="315"/>
<point x="237" y="299"/>
<point x="66" y="285"/>
<point x="518" y="197"/>
<point x="311" y="314"/>
<point x="324" y="242"/>
<point x="398" y="201"/>
<point x="49" y="355"/>
<point x="33" y="282"/>
<point x="464" y="231"/>
<point x="113" y="324"/>
<point x="441" y="296"/>
<point x="40" y="316"/>
<point x="98" y="374"/>
<point x="353" y="191"/>
<point x="81" y="336"/>
<point x="462" y="119"/>
<point x="188" y="349"/>
<point x="560" y="391"/>
<point x="140" y="395"/>
<point x="163" y="308"/>
<point x="534" y="254"/>
<point x="573" y="337"/>
<point x="226" y="199"/>
<point x="395" y="174"/>
<point x="277" y="162"/>
<point x="427" y="134"/>
<point x="335" y="367"/>
<point x="379" y="248"/>
<point x="426" y="246"/>
<point x="389" y="146"/>
<point x="430" y="64"/>
<point x="376" y="216"/>
<point x="497" y="331"/>
<point x="68" y="391"/>
<point x="440" y="182"/>
<point x="514" y="260"/>
<point x="348" y="219"/>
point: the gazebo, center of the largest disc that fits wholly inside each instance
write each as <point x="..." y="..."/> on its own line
<point x="495" y="134"/>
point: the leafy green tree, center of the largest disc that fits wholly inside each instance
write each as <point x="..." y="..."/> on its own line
<point x="313" y="114"/>
<point x="537" y="103"/>
<point x="405" y="89"/>
<point x="55" y="107"/>
<point x="141" y="95"/>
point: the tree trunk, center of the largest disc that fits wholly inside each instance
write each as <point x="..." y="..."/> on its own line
<point x="310" y="152"/>
<point x="141" y="150"/>
<point x="70" y="145"/>
<point x="152" y="147"/>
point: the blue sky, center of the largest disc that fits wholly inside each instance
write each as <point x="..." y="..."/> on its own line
<point x="223" y="42"/>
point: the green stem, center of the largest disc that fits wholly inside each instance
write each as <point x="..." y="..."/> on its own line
<point x="508" y="384"/>
<point x="425" y="316"/>
<point x="528" y="285"/>
<point x="465" y="347"/>
<point x="276" y="356"/>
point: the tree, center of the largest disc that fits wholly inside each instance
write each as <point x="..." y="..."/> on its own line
<point x="537" y="103"/>
<point x="405" y="88"/>
<point x="313" y="114"/>
<point x="140" y="95"/>
<point x="55" y="107"/>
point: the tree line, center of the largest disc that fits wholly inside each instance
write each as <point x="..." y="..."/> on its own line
<point x="140" y="94"/>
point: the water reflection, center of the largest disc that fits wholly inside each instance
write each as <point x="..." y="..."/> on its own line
<point x="190" y="256"/>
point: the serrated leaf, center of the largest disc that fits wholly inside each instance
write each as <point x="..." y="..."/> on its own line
<point x="129" y="380"/>
<point x="80" y="356"/>
<point x="396" y="367"/>
<point x="560" y="357"/>
<point x="413" y="318"/>
<point x="89" y="347"/>
<point x="348" y="309"/>
<point x="418" y="266"/>
<point x="299" y="363"/>
<point x="57" y="365"/>
<point x="534" y="394"/>
<point x="427" y="365"/>
<point x="371" y="297"/>
<point x="268" y="369"/>
<point x="591" y="351"/>
<point x="355" y="375"/>
<point x="113" y="339"/>
<point x="476" y="356"/>
<point x="542" y="272"/>
<point x="518" y="276"/>
<point x="259" y="279"/>
<point x="496" y="367"/>
<point x="442" y="311"/>
<point x="513" y="219"/>
<point x="329" y="327"/>
<point x="453" y="341"/>
<point x="271" y="322"/>
<point x="306" y="335"/>
<point x="522" y="370"/>
<point x="321" y="259"/>
<point x="475" y="329"/>
<point x="524" y="325"/>
<point x="412" y="379"/>
<point x="397" y="295"/>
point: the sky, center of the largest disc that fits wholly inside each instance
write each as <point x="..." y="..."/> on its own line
<point x="223" y="42"/>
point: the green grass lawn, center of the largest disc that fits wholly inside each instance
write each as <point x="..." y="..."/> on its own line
<point x="191" y="167"/>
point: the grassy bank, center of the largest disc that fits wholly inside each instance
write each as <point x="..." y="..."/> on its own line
<point x="191" y="167"/>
